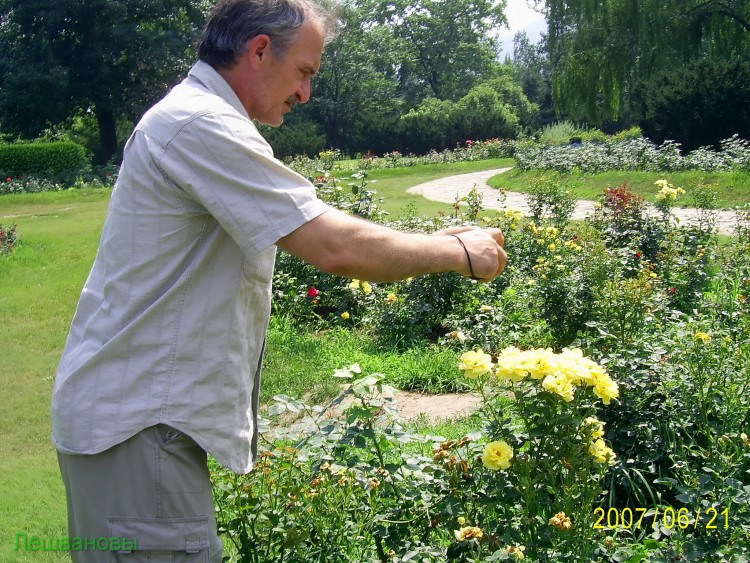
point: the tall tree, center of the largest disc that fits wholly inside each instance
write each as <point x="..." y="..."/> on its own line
<point x="601" y="49"/>
<point x="356" y="94"/>
<point x="532" y="69"/>
<point x="110" y="56"/>
<point x="447" y="44"/>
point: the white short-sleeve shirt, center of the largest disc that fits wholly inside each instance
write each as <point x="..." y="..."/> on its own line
<point x="172" y="319"/>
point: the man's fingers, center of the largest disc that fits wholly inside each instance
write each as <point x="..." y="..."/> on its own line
<point x="503" y="261"/>
<point x="498" y="235"/>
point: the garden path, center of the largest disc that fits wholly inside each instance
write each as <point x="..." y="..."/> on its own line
<point x="445" y="190"/>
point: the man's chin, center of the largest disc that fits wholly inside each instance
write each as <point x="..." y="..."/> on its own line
<point x="273" y="122"/>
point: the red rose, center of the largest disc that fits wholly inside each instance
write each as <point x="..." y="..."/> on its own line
<point x="313" y="292"/>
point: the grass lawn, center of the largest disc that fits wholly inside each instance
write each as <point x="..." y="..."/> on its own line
<point x="731" y="188"/>
<point x="39" y="288"/>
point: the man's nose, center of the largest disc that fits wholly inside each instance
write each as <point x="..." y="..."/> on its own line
<point x="304" y="92"/>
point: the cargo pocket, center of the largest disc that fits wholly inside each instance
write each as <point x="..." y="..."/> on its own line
<point x="157" y="540"/>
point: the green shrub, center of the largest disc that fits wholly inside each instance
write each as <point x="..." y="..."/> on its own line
<point x="691" y="104"/>
<point x="63" y="161"/>
<point x="294" y="139"/>
<point x="8" y="239"/>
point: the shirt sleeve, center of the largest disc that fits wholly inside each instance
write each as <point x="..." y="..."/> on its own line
<point x="221" y="161"/>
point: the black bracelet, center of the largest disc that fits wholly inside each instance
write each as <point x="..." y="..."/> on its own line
<point x="471" y="268"/>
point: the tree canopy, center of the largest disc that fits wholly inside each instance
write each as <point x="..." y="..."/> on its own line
<point x="601" y="50"/>
<point x="111" y="57"/>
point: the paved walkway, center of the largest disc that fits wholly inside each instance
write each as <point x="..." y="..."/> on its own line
<point x="444" y="190"/>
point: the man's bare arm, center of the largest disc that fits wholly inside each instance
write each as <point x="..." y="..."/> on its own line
<point x="348" y="246"/>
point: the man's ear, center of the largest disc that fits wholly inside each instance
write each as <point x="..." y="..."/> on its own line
<point x="258" y="48"/>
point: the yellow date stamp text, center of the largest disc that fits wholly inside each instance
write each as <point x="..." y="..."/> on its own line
<point x="662" y="516"/>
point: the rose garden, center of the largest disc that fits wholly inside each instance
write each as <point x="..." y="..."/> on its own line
<point x="611" y="359"/>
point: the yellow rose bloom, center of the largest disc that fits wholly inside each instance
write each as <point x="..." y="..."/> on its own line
<point x="559" y="385"/>
<point x="595" y="427"/>
<point x="561" y="522"/>
<point x="475" y="363"/>
<point x="601" y="452"/>
<point x="345" y="315"/>
<point x="366" y="287"/>
<point x="497" y="455"/>
<point x="468" y="533"/>
<point x="605" y="388"/>
<point x="354" y="284"/>
<point x="391" y="298"/>
<point x="703" y="336"/>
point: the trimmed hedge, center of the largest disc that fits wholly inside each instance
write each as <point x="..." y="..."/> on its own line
<point x="59" y="161"/>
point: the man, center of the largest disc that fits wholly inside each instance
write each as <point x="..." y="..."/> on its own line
<point x="162" y="363"/>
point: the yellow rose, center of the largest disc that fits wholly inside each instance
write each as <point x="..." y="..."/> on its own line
<point x="497" y="455"/>
<point x="345" y="315"/>
<point x="468" y="533"/>
<point x="475" y="363"/>
<point x="601" y="452"/>
<point x="561" y="522"/>
<point x="605" y="388"/>
<point x="703" y="336"/>
<point x="560" y="385"/>
<point x="595" y="427"/>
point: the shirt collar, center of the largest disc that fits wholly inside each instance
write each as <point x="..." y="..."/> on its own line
<point x="214" y="82"/>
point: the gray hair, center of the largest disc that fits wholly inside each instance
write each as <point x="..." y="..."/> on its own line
<point x="232" y="23"/>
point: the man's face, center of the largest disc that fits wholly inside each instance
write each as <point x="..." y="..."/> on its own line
<point x="284" y="82"/>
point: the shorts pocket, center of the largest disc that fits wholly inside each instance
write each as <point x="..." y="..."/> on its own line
<point x="161" y="539"/>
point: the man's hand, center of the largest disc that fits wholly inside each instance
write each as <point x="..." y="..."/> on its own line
<point x="485" y="255"/>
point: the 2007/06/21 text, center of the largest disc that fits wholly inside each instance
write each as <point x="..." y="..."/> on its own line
<point x="668" y="517"/>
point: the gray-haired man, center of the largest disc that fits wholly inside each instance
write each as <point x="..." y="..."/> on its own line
<point x="163" y="359"/>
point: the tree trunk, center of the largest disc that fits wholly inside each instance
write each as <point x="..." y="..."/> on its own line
<point x="105" y="116"/>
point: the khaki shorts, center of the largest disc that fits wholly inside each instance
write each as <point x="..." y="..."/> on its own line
<point x="146" y="499"/>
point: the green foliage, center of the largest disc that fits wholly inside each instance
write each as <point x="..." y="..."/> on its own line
<point x="531" y="66"/>
<point x="9" y="238"/>
<point x="703" y="90"/>
<point x="482" y="114"/>
<point x="300" y="138"/>
<point x="446" y="46"/>
<point x="565" y="132"/>
<point x="54" y="161"/>
<point x="601" y="52"/>
<point x="428" y="126"/>
<point x="114" y="58"/>
<point x="493" y="109"/>
<point x="351" y="469"/>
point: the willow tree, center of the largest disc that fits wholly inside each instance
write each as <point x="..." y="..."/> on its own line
<point x="601" y="48"/>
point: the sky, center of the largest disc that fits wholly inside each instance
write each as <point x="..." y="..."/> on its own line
<point x="520" y="18"/>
